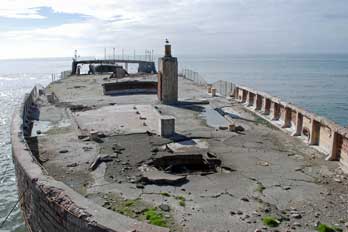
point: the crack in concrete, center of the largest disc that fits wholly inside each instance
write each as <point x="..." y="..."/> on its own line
<point x="302" y="180"/>
<point x="218" y="195"/>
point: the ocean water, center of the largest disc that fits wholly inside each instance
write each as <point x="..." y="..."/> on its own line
<point x="318" y="83"/>
<point x="17" y="77"/>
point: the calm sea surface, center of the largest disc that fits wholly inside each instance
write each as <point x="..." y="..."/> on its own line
<point x="319" y="83"/>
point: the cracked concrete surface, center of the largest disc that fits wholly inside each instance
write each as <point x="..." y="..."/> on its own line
<point x="267" y="172"/>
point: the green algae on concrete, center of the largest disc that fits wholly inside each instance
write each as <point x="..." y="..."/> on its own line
<point x="182" y="200"/>
<point x="260" y="187"/>
<point x="326" y="228"/>
<point x="155" y="217"/>
<point x="140" y="210"/>
<point x="270" y="221"/>
<point x="165" y="194"/>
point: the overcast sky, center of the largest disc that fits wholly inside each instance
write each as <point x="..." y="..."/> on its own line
<point x="51" y="28"/>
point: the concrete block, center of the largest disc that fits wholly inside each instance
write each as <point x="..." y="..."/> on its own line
<point x="231" y="127"/>
<point x="209" y="88"/>
<point x="166" y="126"/>
<point x="51" y="98"/>
<point x="213" y="92"/>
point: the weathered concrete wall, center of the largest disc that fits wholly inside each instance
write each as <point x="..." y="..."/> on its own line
<point x="50" y="205"/>
<point x="319" y="132"/>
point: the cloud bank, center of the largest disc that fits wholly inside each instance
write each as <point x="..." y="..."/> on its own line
<point x="195" y="27"/>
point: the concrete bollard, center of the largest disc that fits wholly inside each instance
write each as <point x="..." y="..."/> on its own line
<point x="209" y="88"/>
<point x="93" y="134"/>
<point x="50" y="98"/>
<point x="213" y="92"/>
<point x="166" y="126"/>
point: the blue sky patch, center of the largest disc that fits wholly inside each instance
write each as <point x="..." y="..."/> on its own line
<point x="50" y="19"/>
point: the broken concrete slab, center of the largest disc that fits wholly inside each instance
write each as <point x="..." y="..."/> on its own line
<point x="189" y="145"/>
<point x="162" y="178"/>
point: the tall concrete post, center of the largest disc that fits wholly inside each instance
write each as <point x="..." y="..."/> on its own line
<point x="168" y="77"/>
<point x="299" y="124"/>
<point x="287" y="118"/>
<point x="333" y="156"/>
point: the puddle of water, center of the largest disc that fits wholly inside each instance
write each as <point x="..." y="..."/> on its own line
<point x="213" y="118"/>
<point x="44" y="126"/>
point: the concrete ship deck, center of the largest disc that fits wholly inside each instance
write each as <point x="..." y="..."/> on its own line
<point x="122" y="166"/>
<point x="147" y="153"/>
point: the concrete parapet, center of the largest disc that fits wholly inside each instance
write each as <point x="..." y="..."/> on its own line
<point x="322" y="133"/>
